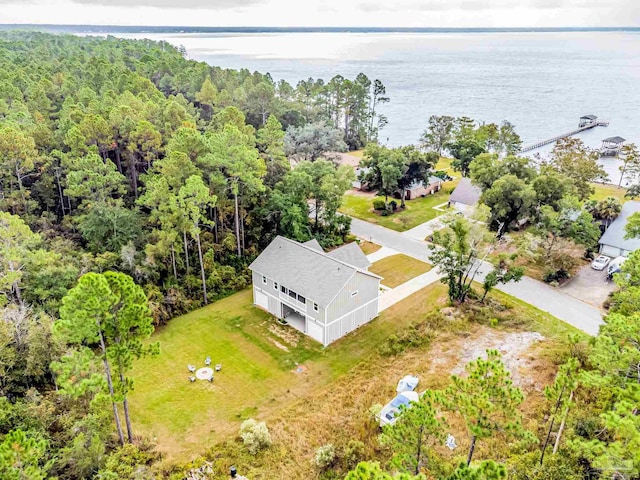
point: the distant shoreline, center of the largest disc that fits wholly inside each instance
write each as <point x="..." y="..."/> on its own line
<point x="188" y="29"/>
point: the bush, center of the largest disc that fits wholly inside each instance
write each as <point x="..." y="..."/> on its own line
<point x="393" y="205"/>
<point x="416" y="335"/>
<point x="385" y="213"/>
<point x="325" y="457"/>
<point x="556" y="276"/>
<point x="255" y="436"/>
<point x="379" y="204"/>
<point x="353" y="453"/>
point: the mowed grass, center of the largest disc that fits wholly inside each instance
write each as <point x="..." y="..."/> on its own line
<point x="398" y="269"/>
<point x="416" y="212"/>
<point x="368" y="248"/>
<point x="257" y="378"/>
<point x="183" y="415"/>
<point x="603" y="191"/>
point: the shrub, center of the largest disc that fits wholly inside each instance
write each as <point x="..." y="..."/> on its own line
<point x="556" y="276"/>
<point x="325" y="457"/>
<point x="353" y="453"/>
<point x="255" y="436"/>
<point x="379" y="204"/>
<point x="385" y="213"/>
<point x="393" y="205"/>
<point x="418" y="334"/>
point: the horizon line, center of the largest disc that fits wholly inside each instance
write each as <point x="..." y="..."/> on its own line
<point x="267" y="29"/>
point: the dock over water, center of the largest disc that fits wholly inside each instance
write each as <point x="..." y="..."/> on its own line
<point x="586" y="123"/>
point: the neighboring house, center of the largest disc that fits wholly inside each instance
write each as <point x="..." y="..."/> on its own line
<point x="324" y="295"/>
<point x="357" y="183"/>
<point x="465" y="196"/>
<point x="422" y="189"/>
<point x="612" y="243"/>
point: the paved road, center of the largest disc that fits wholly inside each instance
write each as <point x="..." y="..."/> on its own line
<point x="548" y="299"/>
<point x="424" y="229"/>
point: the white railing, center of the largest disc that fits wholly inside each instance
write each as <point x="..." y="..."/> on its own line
<point x="293" y="302"/>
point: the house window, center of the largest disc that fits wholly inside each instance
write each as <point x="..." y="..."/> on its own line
<point x="301" y="299"/>
<point x="283" y="289"/>
<point x="353" y="294"/>
<point x="264" y="279"/>
<point x="275" y="285"/>
<point x="293" y="294"/>
<point x="315" y="307"/>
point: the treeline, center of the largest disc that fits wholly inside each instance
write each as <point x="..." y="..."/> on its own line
<point x="155" y="180"/>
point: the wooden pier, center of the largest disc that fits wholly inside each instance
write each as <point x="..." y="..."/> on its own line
<point x="583" y="126"/>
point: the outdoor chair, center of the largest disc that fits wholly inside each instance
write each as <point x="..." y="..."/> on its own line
<point x="192" y="379"/>
<point x="218" y="367"/>
<point x="191" y="368"/>
<point x="207" y="361"/>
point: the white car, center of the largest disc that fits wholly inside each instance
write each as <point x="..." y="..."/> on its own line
<point x="389" y="413"/>
<point x="600" y="263"/>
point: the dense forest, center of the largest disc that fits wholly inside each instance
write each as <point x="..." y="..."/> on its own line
<point x="124" y="160"/>
<point x="137" y="185"/>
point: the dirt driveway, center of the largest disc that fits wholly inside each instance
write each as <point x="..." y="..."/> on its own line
<point x="589" y="285"/>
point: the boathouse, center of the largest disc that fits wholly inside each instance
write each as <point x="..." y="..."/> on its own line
<point x="587" y="120"/>
<point x="611" y="146"/>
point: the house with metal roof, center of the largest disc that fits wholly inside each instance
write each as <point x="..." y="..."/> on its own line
<point x="612" y="243"/>
<point x="324" y="295"/>
<point x="465" y="196"/>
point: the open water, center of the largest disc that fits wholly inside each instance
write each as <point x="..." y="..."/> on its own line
<point x="541" y="81"/>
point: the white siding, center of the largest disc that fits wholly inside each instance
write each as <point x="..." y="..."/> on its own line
<point x="611" y="251"/>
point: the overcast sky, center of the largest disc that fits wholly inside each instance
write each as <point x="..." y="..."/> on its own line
<point x="379" y="13"/>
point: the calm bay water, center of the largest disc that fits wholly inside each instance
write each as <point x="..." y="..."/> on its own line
<point x="541" y="82"/>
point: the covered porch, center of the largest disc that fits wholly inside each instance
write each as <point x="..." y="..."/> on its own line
<point x="294" y="318"/>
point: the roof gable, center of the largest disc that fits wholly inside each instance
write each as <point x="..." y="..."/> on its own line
<point x="466" y="193"/>
<point x="313" y="243"/>
<point x="308" y="272"/>
<point x="614" y="235"/>
<point x="351" y="254"/>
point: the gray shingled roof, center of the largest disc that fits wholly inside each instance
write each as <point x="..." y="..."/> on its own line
<point x="311" y="273"/>
<point x="614" y="140"/>
<point x="465" y="193"/>
<point x="351" y="254"/>
<point x="313" y="243"/>
<point x="590" y="117"/>
<point x="614" y="235"/>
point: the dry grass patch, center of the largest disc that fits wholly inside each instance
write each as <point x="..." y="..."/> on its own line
<point x="339" y="412"/>
<point x="398" y="269"/>
<point x="368" y="248"/>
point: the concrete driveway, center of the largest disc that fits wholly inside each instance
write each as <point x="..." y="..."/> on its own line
<point x="574" y="311"/>
<point x="589" y="285"/>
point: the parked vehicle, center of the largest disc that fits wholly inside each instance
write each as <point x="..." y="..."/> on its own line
<point x="615" y="267"/>
<point x="390" y="412"/>
<point x="615" y="264"/>
<point x="600" y="263"/>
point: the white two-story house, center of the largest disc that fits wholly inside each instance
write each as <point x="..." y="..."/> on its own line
<point x="324" y="295"/>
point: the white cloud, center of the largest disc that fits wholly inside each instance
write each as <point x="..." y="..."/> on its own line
<point x="412" y="13"/>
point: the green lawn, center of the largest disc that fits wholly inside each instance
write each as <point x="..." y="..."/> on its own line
<point x="603" y="191"/>
<point x="257" y="376"/>
<point x="397" y="269"/>
<point x="416" y="212"/>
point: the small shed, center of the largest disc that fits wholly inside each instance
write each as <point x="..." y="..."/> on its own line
<point x="611" y="146"/>
<point x="612" y="243"/>
<point x="587" y="121"/>
<point x="465" y="196"/>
